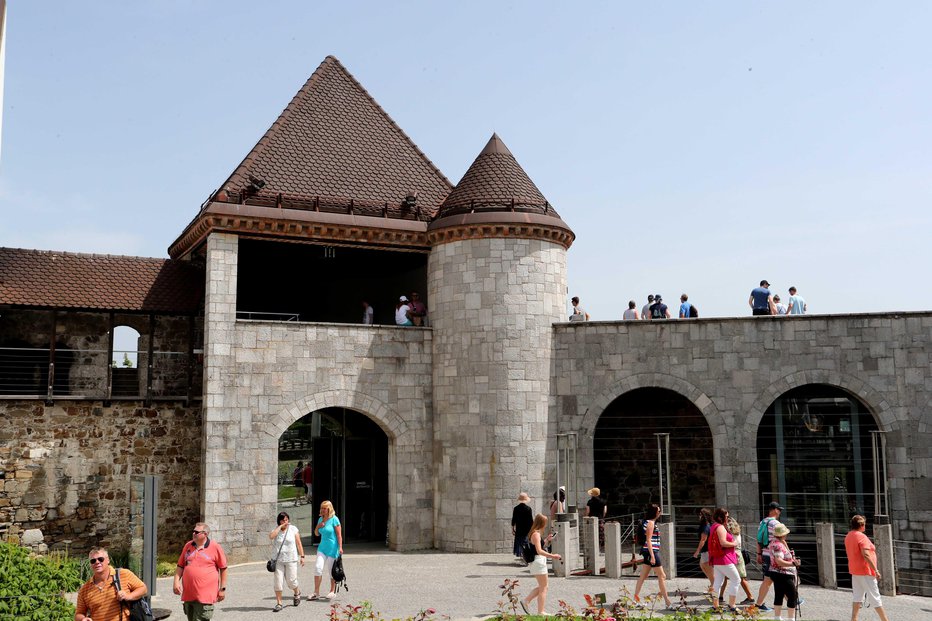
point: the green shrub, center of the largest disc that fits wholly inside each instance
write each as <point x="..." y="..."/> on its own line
<point x="32" y="588"/>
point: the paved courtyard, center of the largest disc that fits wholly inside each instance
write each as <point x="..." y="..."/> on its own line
<point x="465" y="586"/>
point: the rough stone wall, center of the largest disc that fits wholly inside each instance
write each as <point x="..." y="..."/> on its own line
<point x="493" y="302"/>
<point x="733" y="369"/>
<point x="66" y="468"/>
<point x="261" y="377"/>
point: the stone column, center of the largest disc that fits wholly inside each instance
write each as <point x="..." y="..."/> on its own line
<point x="613" y="550"/>
<point x="825" y="553"/>
<point x="883" y="540"/>
<point x="591" y="544"/>
<point x="668" y="537"/>
<point x="562" y="545"/>
<point x="493" y="302"/>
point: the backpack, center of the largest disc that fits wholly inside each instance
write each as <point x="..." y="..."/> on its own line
<point x="338" y="575"/>
<point x="693" y="311"/>
<point x="715" y="546"/>
<point x="763" y="532"/>
<point x="640" y="534"/>
<point x="528" y="551"/>
<point x="657" y="311"/>
<point x="138" y="610"/>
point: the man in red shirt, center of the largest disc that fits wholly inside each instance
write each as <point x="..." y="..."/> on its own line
<point x="308" y="478"/>
<point x="201" y="575"/>
<point x="862" y="565"/>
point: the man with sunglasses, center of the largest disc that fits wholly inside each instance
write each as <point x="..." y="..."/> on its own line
<point x="99" y="599"/>
<point x="201" y="575"/>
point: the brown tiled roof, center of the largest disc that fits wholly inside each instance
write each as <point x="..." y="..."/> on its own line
<point x="495" y="183"/>
<point x="40" y="278"/>
<point x="333" y="148"/>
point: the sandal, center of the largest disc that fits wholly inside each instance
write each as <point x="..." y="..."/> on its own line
<point x="524" y="608"/>
<point x="313" y="597"/>
<point x="277" y="608"/>
<point x="297" y="599"/>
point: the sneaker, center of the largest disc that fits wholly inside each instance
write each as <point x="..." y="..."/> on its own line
<point x="277" y="608"/>
<point x="747" y="602"/>
<point x="312" y="597"/>
<point x="764" y="608"/>
<point x="331" y="595"/>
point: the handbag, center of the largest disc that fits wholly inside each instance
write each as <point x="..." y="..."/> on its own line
<point x="138" y="610"/>
<point x="337" y="574"/>
<point x="746" y="556"/>
<point x="270" y="564"/>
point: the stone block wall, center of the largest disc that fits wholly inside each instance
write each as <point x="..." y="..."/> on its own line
<point x="66" y="468"/>
<point x="261" y="377"/>
<point x="493" y="301"/>
<point x="734" y="369"/>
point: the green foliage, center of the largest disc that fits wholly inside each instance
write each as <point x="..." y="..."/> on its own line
<point x="32" y="587"/>
<point x="364" y="612"/>
<point x="163" y="568"/>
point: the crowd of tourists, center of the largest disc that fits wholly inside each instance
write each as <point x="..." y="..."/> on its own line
<point x="721" y="554"/>
<point x="762" y="302"/>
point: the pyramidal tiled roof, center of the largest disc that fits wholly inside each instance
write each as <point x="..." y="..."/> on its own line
<point x="333" y="141"/>
<point x="47" y="279"/>
<point x="495" y="182"/>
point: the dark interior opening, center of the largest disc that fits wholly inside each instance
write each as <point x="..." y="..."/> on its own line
<point x="303" y="282"/>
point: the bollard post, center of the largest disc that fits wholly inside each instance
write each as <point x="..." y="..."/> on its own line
<point x="561" y="546"/>
<point x="883" y="540"/>
<point x="668" y="547"/>
<point x="591" y="544"/>
<point x="613" y="549"/>
<point x="825" y="555"/>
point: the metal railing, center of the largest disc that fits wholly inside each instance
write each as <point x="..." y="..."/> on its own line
<point x="263" y="316"/>
<point x="913" y="560"/>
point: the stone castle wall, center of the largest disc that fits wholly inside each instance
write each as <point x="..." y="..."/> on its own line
<point x="493" y="301"/>
<point x="65" y="469"/>
<point x="734" y="369"/>
<point x="263" y="376"/>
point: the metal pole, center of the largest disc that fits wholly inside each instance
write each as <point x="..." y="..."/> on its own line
<point x="669" y="483"/>
<point x="879" y="466"/>
<point x="557" y="490"/>
<point x="663" y="472"/>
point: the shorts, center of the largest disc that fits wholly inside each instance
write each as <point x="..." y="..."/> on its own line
<point x="864" y="589"/>
<point x="704" y="558"/>
<point x="538" y="566"/>
<point x="324" y="564"/>
<point x="658" y="562"/>
<point x="765" y="567"/>
<point x="196" y="611"/>
<point x="760" y="311"/>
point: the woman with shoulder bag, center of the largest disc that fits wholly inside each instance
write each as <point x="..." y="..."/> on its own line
<point x="723" y="558"/>
<point x="783" y="564"/>
<point x="538" y="566"/>
<point x="286" y="541"/>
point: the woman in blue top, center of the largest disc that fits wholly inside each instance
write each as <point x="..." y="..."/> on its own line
<point x="331" y="546"/>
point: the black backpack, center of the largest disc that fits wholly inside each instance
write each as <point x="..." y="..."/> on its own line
<point x="640" y="533"/>
<point x="338" y="575"/>
<point x="138" y="610"/>
<point x="693" y="311"/>
<point x="528" y="551"/>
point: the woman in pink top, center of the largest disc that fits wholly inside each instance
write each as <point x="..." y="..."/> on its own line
<point x="723" y="558"/>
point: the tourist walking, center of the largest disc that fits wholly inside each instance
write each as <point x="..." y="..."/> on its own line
<point x="796" y="303"/>
<point x="724" y="559"/>
<point x="764" y="535"/>
<point x="735" y="529"/>
<point x="522" y="517"/>
<point x="649" y="538"/>
<point x="578" y="314"/>
<point x="645" y="312"/>
<point x="761" y="301"/>
<point x="539" y="565"/>
<point x="99" y="599"/>
<point x="659" y="310"/>
<point x="631" y="313"/>
<point x="330" y="547"/>
<point x="307" y="476"/>
<point x="598" y="508"/>
<point x="783" y="574"/>
<point x="201" y="575"/>
<point x="702" y="550"/>
<point x="287" y="551"/>
<point x="862" y="565"/>
<point x="685" y="307"/>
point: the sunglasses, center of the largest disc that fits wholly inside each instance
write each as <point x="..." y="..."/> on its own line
<point x="198" y="532"/>
<point x="99" y="559"/>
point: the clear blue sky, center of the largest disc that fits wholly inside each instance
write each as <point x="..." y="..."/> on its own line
<point x="695" y="147"/>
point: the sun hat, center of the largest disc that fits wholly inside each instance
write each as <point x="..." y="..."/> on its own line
<point x="595" y="491"/>
<point x="780" y="530"/>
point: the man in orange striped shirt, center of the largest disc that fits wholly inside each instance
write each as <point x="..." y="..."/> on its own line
<point x="99" y="599"/>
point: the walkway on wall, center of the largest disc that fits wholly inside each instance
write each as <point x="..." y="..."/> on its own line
<point x="466" y="586"/>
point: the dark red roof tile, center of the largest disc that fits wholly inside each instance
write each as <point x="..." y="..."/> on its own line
<point x="40" y="278"/>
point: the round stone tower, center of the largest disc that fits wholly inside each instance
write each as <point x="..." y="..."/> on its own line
<point x="496" y="283"/>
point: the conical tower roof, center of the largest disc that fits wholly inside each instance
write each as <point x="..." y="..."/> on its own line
<point x="496" y="190"/>
<point x="334" y="141"/>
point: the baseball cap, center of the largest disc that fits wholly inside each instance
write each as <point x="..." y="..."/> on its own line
<point x="774" y="505"/>
<point x="402" y="299"/>
<point x="764" y="283"/>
